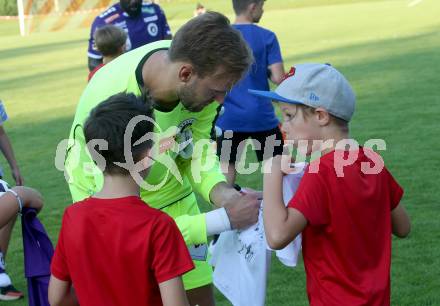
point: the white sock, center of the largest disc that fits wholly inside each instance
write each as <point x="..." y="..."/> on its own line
<point x="4" y="280"/>
<point x="2" y="261"/>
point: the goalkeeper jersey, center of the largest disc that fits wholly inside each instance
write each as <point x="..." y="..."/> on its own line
<point x="186" y="161"/>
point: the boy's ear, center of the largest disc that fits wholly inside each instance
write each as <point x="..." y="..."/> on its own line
<point x="122" y="49"/>
<point x="322" y="116"/>
<point x="146" y="161"/>
<point x="251" y="6"/>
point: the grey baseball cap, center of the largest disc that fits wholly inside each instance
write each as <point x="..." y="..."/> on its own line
<point x="315" y="85"/>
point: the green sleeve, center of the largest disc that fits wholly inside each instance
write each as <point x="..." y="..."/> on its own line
<point x="203" y="179"/>
<point x="193" y="228"/>
<point x="83" y="177"/>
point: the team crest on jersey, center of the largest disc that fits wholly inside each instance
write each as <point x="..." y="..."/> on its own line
<point x="166" y="144"/>
<point x="184" y="138"/>
<point x="180" y="143"/>
<point x="153" y="29"/>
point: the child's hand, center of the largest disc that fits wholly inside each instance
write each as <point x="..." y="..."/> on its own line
<point x="279" y="164"/>
<point x="16" y="175"/>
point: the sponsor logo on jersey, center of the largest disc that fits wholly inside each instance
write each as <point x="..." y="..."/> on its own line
<point x="108" y="12"/>
<point x="122" y="25"/>
<point x="186" y="123"/>
<point x="151" y="18"/>
<point x="184" y="138"/>
<point x="148" y="10"/>
<point x="111" y="18"/>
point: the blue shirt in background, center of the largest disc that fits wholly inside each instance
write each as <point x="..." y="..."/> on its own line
<point x="151" y="25"/>
<point x="245" y="112"/>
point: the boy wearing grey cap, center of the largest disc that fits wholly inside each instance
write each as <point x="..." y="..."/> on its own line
<point x="347" y="204"/>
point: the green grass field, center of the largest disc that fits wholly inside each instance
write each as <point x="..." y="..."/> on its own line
<point x="389" y="50"/>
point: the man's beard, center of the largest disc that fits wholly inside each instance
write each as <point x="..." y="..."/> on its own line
<point x="133" y="11"/>
<point x="187" y="98"/>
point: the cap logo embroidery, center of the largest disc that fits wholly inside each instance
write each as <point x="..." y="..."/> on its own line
<point x="313" y="97"/>
<point x="289" y="74"/>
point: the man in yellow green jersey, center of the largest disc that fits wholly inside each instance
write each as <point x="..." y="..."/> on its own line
<point x="187" y="77"/>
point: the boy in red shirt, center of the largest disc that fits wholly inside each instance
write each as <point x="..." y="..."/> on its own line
<point x="347" y="204"/>
<point x="110" y="40"/>
<point x="113" y="248"/>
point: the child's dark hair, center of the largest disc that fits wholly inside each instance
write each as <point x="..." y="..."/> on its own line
<point x="240" y="6"/>
<point x="109" y="39"/>
<point x="109" y="121"/>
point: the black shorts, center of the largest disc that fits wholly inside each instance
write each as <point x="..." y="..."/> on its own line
<point x="266" y="144"/>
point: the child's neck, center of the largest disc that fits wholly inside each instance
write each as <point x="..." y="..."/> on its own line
<point x="118" y="186"/>
<point x="337" y="137"/>
<point x="108" y="59"/>
<point x="243" y="19"/>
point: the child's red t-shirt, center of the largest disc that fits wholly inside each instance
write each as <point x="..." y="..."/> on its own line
<point x="92" y="73"/>
<point x="347" y="240"/>
<point x="117" y="251"/>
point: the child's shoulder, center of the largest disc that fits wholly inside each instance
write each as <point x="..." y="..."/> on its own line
<point x="140" y="209"/>
<point x="363" y="164"/>
<point x="161" y="217"/>
<point x="129" y="208"/>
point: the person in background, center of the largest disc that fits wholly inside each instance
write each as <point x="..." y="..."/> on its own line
<point x="200" y="9"/>
<point x="7" y="290"/>
<point x="261" y="123"/>
<point x="143" y="22"/>
<point x="110" y="41"/>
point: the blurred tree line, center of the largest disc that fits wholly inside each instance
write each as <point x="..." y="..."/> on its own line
<point x="8" y="8"/>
